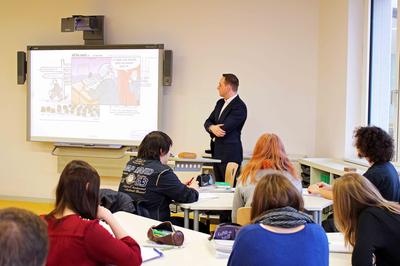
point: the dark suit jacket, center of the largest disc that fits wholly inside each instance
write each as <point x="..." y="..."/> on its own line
<point x="228" y="148"/>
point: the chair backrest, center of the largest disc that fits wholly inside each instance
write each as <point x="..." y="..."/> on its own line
<point x="116" y="201"/>
<point x="230" y="173"/>
<point x="243" y="215"/>
<point x="141" y="208"/>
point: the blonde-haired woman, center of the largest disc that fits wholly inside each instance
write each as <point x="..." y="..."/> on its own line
<point x="369" y="223"/>
<point x="268" y="154"/>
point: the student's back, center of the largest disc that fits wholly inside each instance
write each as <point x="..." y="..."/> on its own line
<point x="281" y="234"/>
<point x="369" y="222"/>
<point x="378" y="233"/>
<point x="268" y="155"/>
<point x="149" y="178"/>
<point x="77" y="241"/>
<point x="157" y="185"/>
<point x="244" y="192"/>
<point x="256" y="245"/>
<point x="386" y="179"/>
<point x="377" y="147"/>
<point x="75" y="235"/>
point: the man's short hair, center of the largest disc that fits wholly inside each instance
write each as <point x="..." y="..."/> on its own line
<point x="23" y="238"/>
<point x="154" y="144"/>
<point x="232" y="80"/>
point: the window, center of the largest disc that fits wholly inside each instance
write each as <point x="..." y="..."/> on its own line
<point x="383" y="96"/>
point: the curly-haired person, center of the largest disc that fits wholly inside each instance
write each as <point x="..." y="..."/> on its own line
<point x="376" y="146"/>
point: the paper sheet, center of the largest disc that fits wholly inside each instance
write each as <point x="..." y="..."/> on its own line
<point x="150" y="253"/>
<point x="208" y="196"/>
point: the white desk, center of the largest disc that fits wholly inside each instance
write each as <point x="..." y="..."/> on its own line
<point x="224" y="201"/>
<point x="213" y="202"/>
<point x="315" y="205"/>
<point x="339" y="259"/>
<point x="197" y="249"/>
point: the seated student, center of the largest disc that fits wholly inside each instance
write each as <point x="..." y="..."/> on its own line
<point x="269" y="153"/>
<point x="280" y="234"/>
<point x="375" y="145"/>
<point x="149" y="178"/>
<point x="76" y="237"/>
<point x="23" y="238"/>
<point x="369" y="222"/>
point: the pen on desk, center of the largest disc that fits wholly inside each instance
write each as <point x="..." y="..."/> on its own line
<point x="190" y="181"/>
<point x="158" y="252"/>
<point x="161" y="246"/>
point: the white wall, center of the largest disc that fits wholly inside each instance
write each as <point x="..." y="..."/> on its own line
<point x="331" y="95"/>
<point x="357" y="72"/>
<point x="342" y="76"/>
<point x="271" y="45"/>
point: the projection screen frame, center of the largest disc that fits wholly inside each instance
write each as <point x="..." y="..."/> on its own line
<point x="87" y="142"/>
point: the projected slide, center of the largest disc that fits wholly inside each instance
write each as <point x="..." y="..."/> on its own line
<point x="107" y="96"/>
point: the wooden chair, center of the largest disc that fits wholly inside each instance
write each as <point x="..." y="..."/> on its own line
<point x="243" y="215"/>
<point x="230" y="173"/>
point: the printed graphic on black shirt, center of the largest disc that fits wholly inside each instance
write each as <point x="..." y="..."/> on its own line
<point x="135" y="179"/>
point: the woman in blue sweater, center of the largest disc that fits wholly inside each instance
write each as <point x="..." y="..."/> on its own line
<point x="280" y="233"/>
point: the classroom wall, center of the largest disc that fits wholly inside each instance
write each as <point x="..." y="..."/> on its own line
<point x="341" y="94"/>
<point x="271" y="45"/>
<point x="357" y="72"/>
<point x="332" y="65"/>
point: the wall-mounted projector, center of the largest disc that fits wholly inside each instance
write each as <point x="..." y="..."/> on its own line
<point x="79" y="23"/>
<point x="92" y="27"/>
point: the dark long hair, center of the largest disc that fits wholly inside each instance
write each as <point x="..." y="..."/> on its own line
<point x="78" y="190"/>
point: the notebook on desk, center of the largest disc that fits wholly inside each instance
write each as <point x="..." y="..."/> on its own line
<point x="223" y="248"/>
<point x="214" y="189"/>
<point x="208" y="196"/>
<point x="149" y="253"/>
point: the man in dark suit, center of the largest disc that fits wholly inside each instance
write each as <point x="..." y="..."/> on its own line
<point x="225" y="124"/>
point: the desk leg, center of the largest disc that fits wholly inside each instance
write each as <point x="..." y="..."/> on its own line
<point x="320" y="217"/>
<point x="186" y="218"/>
<point x="317" y="217"/>
<point x="196" y="221"/>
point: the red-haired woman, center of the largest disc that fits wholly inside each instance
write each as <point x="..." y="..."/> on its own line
<point x="268" y="154"/>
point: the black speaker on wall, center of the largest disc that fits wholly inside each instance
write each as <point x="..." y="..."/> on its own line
<point x="167" y="68"/>
<point x="21" y="67"/>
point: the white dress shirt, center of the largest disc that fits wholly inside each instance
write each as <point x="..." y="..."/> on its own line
<point x="227" y="101"/>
